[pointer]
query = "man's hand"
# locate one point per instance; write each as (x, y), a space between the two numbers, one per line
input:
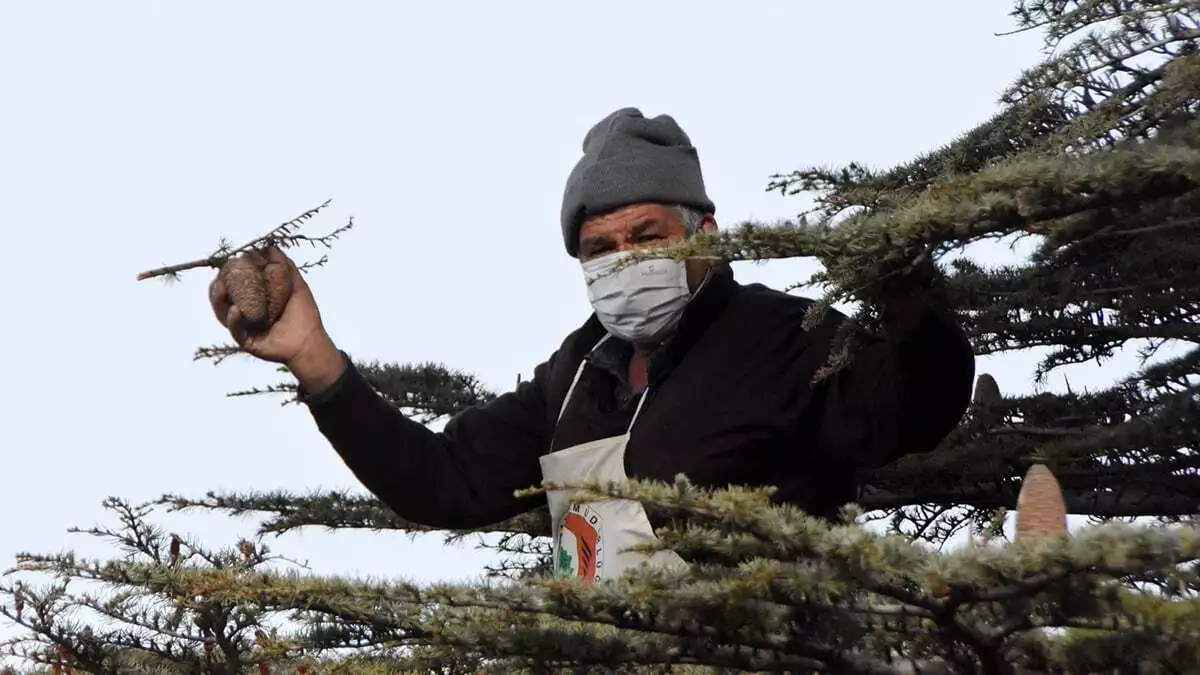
(908, 292)
(297, 338)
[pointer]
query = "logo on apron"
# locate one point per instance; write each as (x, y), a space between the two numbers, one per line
(580, 544)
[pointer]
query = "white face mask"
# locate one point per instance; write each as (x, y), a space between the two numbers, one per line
(643, 301)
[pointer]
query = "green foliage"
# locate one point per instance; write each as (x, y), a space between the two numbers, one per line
(1093, 164)
(784, 591)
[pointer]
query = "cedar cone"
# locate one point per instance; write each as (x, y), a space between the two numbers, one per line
(1041, 510)
(259, 289)
(987, 392)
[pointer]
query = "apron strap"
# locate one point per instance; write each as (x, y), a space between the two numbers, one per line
(637, 411)
(571, 390)
(579, 374)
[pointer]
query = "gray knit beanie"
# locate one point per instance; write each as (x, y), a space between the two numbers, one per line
(627, 159)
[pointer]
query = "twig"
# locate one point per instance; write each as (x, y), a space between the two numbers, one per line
(283, 236)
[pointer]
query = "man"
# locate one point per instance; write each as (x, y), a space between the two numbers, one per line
(680, 370)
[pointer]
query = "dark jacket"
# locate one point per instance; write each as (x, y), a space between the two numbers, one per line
(730, 403)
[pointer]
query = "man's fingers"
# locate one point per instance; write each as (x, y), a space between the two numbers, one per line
(218, 297)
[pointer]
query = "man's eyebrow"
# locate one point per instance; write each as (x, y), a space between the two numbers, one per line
(643, 225)
(595, 239)
(638, 229)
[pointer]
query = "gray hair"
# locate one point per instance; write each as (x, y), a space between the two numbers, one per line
(692, 218)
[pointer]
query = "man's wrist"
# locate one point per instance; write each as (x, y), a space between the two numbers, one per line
(318, 365)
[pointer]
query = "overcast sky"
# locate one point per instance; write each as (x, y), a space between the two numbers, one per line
(139, 133)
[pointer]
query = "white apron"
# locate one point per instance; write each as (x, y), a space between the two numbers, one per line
(590, 538)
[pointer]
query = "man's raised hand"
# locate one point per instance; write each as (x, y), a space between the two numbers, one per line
(261, 297)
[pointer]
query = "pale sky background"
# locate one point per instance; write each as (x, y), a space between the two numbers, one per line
(135, 134)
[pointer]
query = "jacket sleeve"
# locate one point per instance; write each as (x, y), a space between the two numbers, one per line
(460, 478)
(903, 391)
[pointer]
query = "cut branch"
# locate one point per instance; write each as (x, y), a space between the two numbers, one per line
(282, 236)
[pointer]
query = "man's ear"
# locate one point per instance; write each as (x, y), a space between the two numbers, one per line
(709, 224)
